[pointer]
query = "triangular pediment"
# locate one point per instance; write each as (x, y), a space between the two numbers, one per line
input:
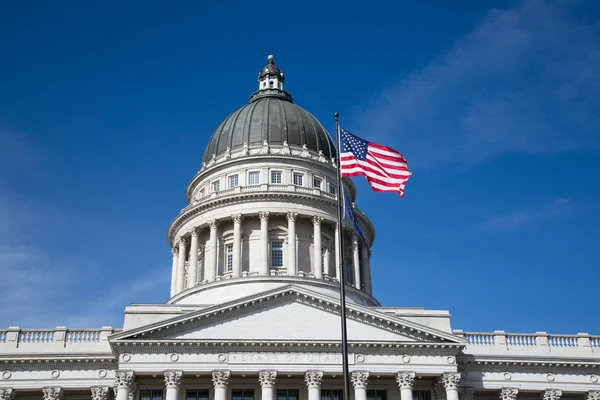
(289, 314)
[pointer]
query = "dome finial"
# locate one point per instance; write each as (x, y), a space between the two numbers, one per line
(271, 58)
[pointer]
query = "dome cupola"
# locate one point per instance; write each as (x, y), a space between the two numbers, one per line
(270, 77)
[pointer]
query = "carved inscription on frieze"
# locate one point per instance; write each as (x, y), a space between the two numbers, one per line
(287, 358)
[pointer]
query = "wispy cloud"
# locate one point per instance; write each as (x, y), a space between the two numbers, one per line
(517, 218)
(526, 80)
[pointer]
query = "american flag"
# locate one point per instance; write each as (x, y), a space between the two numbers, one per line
(386, 169)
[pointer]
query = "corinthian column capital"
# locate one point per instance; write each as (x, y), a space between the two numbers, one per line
(405, 380)
(267, 378)
(313, 379)
(52, 393)
(291, 216)
(317, 220)
(360, 379)
(236, 218)
(593, 395)
(220, 378)
(509, 393)
(173, 379)
(100, 392)
(182, 241)
(551, 394)
(450, 380)
(213, 224)
(195, 232)
(263, 215)
(6, 393)
(124, 379)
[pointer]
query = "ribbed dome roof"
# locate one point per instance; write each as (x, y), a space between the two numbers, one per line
(270, 116)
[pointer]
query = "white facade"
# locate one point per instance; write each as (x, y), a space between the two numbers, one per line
(254, 312)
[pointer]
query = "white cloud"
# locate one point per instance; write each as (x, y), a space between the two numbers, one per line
(517, 218)
(526, 80)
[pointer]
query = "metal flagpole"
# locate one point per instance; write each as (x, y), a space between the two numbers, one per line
(340, 250)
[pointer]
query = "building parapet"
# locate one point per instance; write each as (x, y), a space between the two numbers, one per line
(15, 340)
(532, 344)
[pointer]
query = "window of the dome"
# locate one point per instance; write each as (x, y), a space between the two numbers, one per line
(254, 178)
(233, 181)
(277, 253)
(276, 177)
(332, 188)
(298, 179)
(229, 257)
(202, 192)
(317, 182)
(216, 186)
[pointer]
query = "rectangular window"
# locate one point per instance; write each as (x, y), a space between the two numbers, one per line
(216, 186)
(202, 192)
(317, 182)
(254, 178)
(277, 253)
(233, 181)
(196, 394)
(332, 188)
(332, 394)
(288, 394)
(421, 395)
(275, 176)
(153, 394)
(242, 394)
(298, 179)
(229, 254)
(377, 395)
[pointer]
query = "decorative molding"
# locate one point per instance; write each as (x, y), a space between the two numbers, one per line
(6, 393)
(551, 394)
(52, 393)
(450, 380)
(466, 393)
(173, 379)
(508, 393)
(100, 392)
(405, 380)
(360, 379)
(267, 378)
(313, 379)
(220, 378)
(124, 379)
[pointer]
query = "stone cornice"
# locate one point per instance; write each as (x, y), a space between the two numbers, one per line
(525, 361)
(49, 362)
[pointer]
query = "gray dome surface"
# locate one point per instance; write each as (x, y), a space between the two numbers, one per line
(270, 116)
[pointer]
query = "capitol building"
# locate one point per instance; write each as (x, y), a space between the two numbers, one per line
(254, 307)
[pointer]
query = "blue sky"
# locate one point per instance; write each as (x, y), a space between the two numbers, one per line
(105, 110)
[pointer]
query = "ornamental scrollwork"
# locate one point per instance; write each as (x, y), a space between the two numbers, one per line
(509, 393)
(6, 393)
(267, 378)
(220, 378)
(100, 392)
(313, 379)
(360, 379)
(52, 393)
(450, 380)
(173, 379)
(124, 379)
(552, 394)
(405, 380)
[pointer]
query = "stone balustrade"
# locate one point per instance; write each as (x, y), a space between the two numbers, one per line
(15, 340)
(539, 343)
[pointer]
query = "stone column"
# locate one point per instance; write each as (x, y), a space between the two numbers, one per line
(193, 263)
(313, 381)
(173, 383)
(317, 262)
(175, 252)
(264, 242)
(267, 384)
(236, 270)
(360, 380)
(366, 268)
(356, 260)
(338, 257)
(52, 393)
(405, 382)
(450, 380)
(551, 394)
(291, 248)
(220, 381)
(326, 258)
(508, 393)
(181, 265)
(123, 384)
(100, 392)
(211, 262)
(6, 393)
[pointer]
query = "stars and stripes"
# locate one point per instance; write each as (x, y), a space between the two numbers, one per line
(386, 169)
